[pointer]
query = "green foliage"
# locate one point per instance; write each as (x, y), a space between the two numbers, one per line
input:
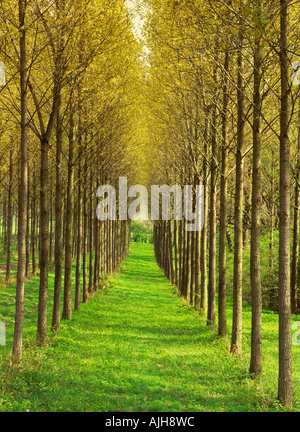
(141, 232)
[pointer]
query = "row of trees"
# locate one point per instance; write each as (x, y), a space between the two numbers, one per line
(223, 105)
(66, 123)
(211, 104)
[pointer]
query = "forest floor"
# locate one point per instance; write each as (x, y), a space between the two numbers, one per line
(136, 346)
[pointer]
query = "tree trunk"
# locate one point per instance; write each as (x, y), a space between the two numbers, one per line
(222, 325)
(180, 253)
(203, 304)
(236, 340)
(9, 217)
(285, 392)
(197, 297)
(84, 259)
(51, 223)
(67, 306)
(175, 230)
(193, 252)
(44, 245)
(271, 214)
(58, 224)
(295, 261)
(33, 228)
(96, 259)
(211, 310)
(188, 266)
(170, 247)
(79, 240)
(27, 231)
(256, 294)
(91, 236)
(22, 210)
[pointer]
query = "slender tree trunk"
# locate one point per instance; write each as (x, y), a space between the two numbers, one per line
(180, 245)
(188, 266)
(110, 246)
(193, 267)
(236, 339)
(85, 230)
(44, 245)
(9, 217)
(27, 231)
(175, 231)
(203, 304)
(91, 234)
(183, 265)
(170, 248)
(256, 294)
(58, 225)
(211, 311)
(79, 241)
(33, 229)
(193, 255)
(22, 210)
(74, 229)
(295, 260)
(4, 217)
(197, 270)
(96, 259)
(67, 306)
(271, 214)
(285, 392)
(51, 224)
(2, 221)
(222, 325)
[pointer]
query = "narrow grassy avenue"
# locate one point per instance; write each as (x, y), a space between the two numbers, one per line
(136, 346)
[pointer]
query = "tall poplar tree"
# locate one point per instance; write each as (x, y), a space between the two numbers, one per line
(285, 392)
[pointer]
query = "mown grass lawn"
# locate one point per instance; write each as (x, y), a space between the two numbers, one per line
(136, 346)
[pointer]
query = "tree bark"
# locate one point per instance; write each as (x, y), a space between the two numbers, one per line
(9, 217)
(211, 310)
(44, 245)
(27, 265)
(236, 339)
(85, 230)
(22, 210)
(175, 231)
(34, 224)
(295, 260)
(170, 247)
(285, 392)
(79, 240)
(91, 235)
(203, 304)
(256, 294)
(222, 324)
(67, 305)
(58, 224)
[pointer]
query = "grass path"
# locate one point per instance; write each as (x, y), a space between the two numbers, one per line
(134, 347)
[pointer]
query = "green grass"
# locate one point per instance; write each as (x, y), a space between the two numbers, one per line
(136, 346)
